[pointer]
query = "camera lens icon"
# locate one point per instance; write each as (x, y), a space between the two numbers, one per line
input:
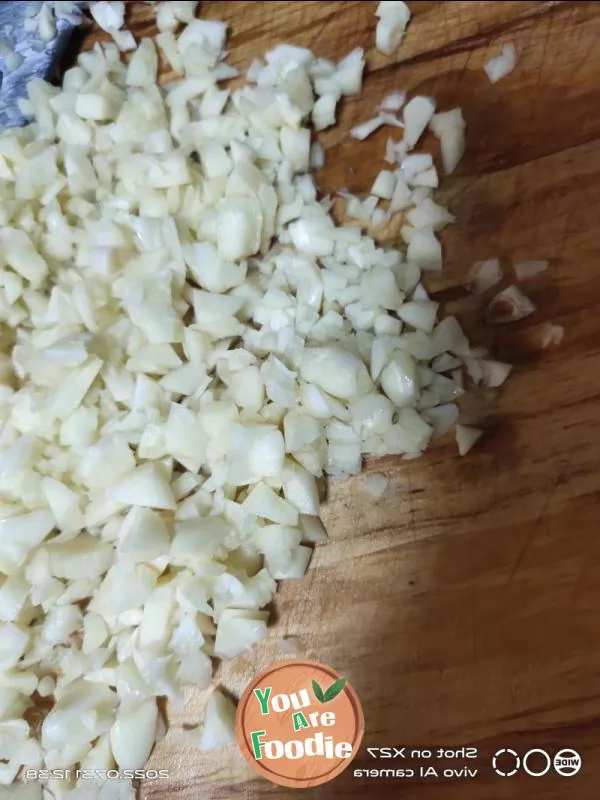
(506, 762)
(567, 762)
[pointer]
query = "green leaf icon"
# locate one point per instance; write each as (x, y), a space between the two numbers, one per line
(331, 693)
(318, 692)
(335, 689)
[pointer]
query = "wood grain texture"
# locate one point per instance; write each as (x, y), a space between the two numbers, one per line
(463, 605)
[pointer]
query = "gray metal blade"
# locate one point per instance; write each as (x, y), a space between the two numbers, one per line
(38, 63)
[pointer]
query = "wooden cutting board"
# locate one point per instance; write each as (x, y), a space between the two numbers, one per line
(463, 605)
